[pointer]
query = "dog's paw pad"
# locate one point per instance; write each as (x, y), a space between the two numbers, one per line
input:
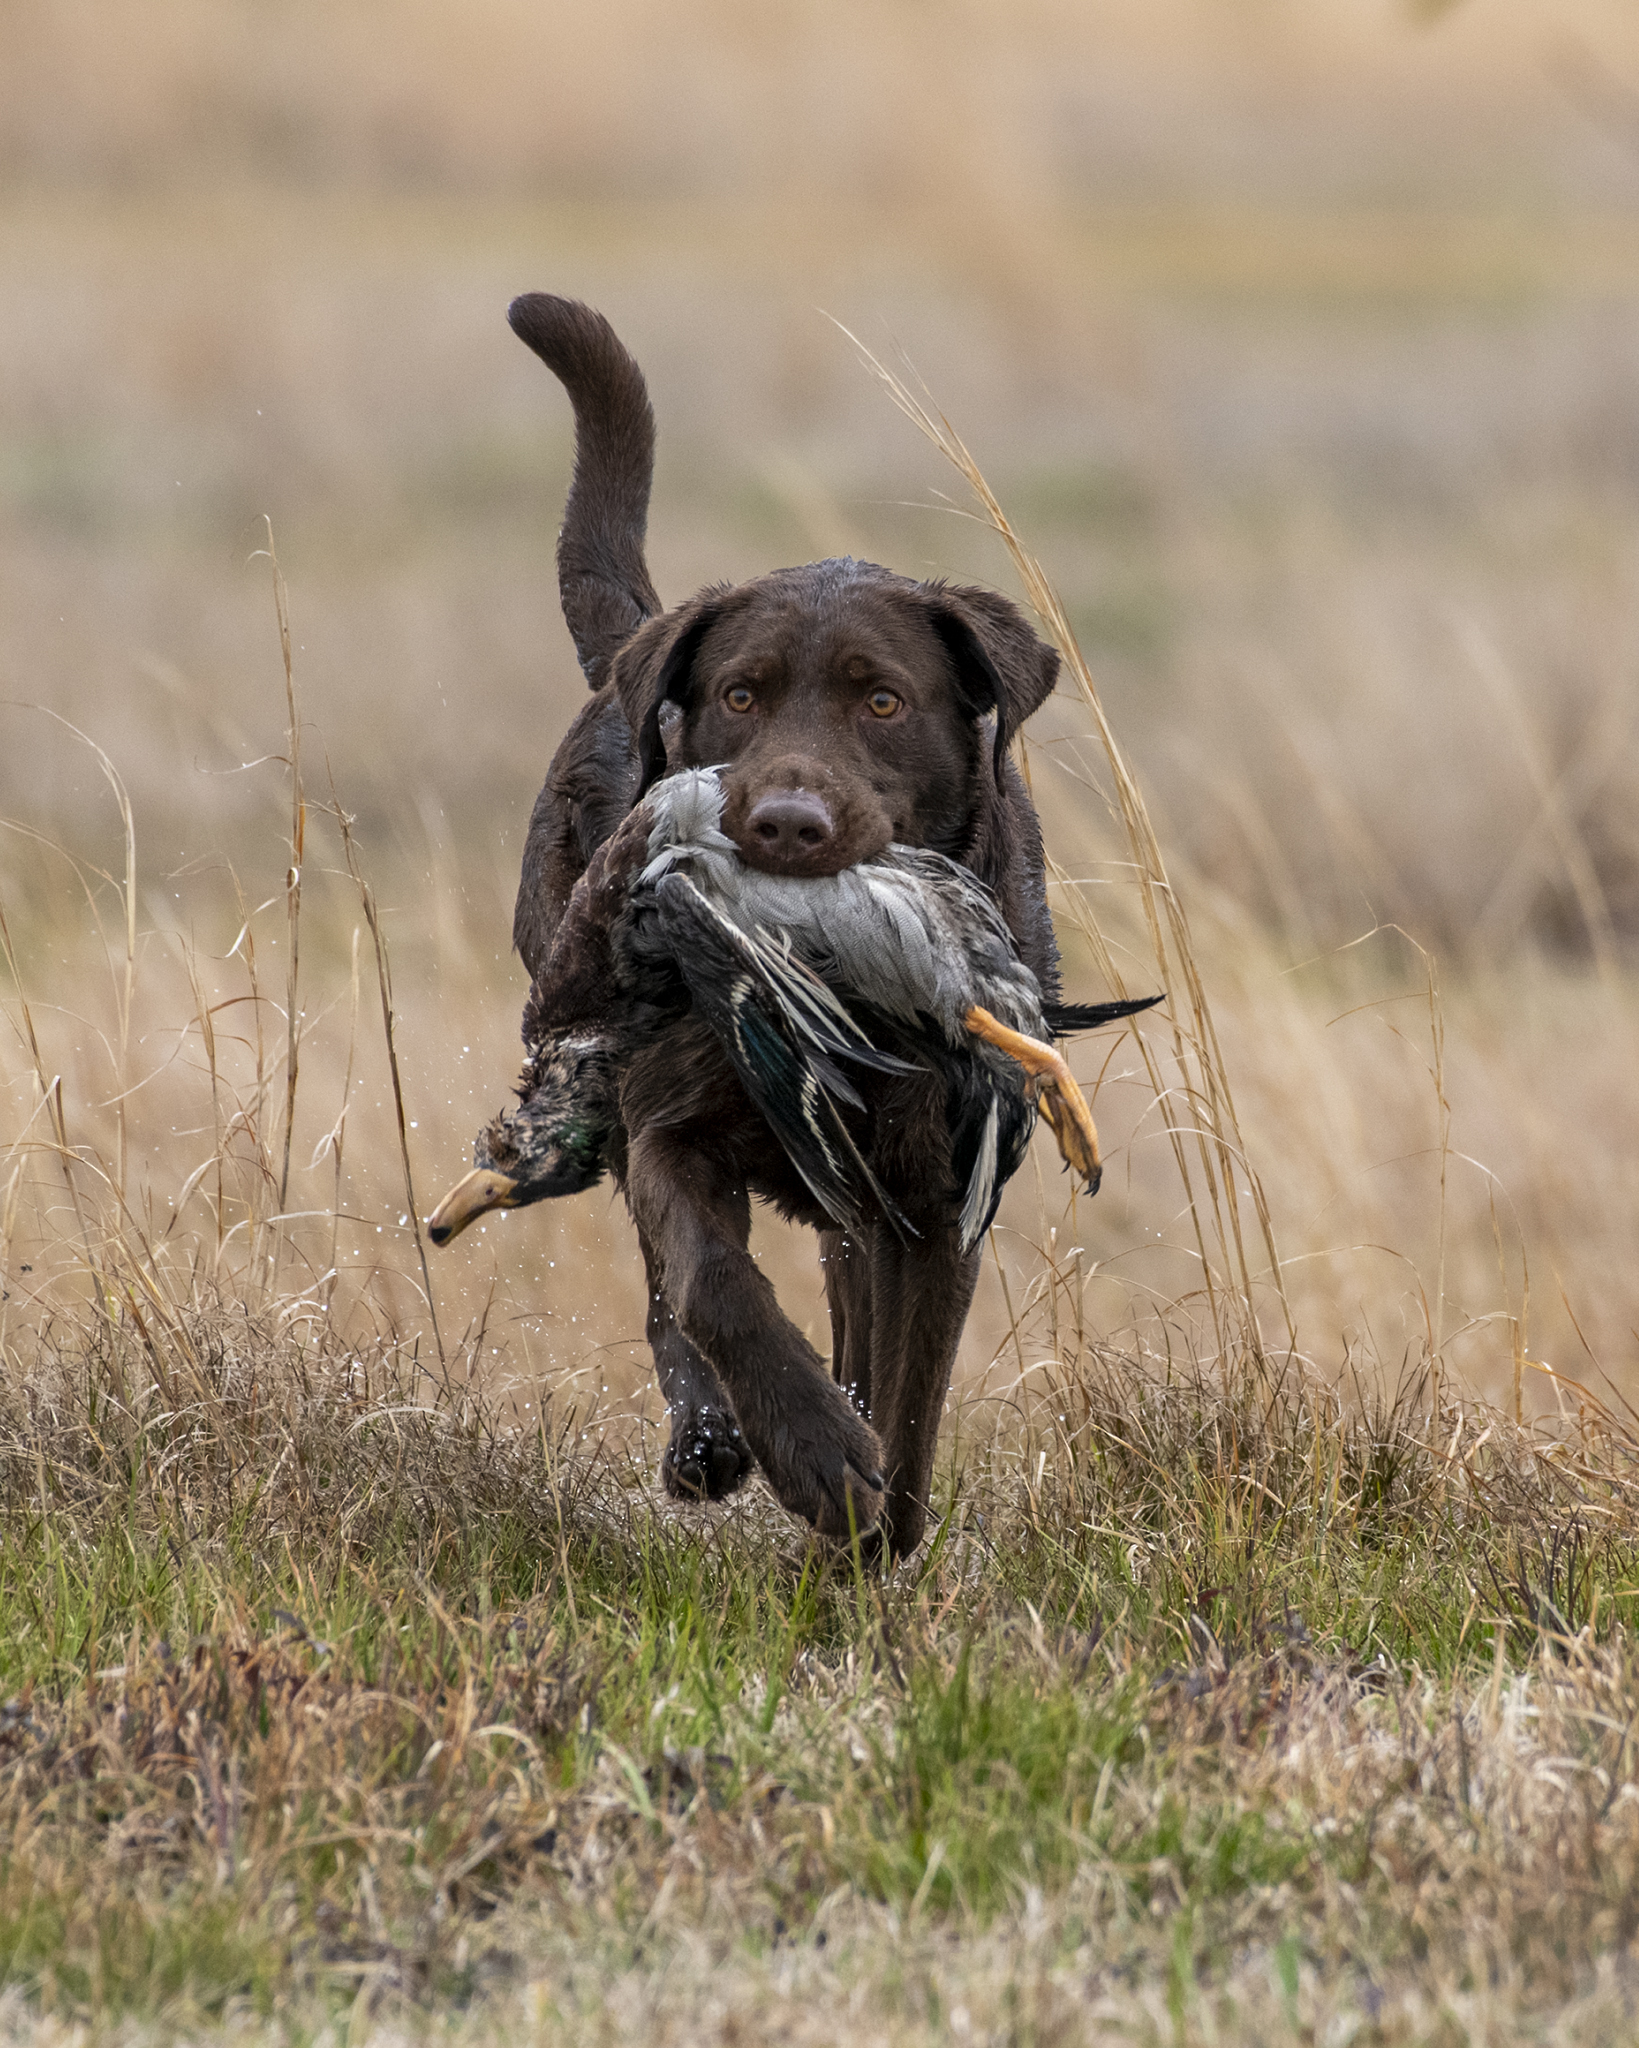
(707, 1458)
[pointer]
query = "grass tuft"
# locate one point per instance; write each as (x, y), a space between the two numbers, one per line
(325, 1680)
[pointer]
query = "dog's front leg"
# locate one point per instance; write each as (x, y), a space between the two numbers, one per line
(707, 1457)
(919, 1296)
(690, 1205)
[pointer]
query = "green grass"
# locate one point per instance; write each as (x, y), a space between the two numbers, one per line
(314, 1696)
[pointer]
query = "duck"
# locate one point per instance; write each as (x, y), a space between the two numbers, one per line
(800, 979)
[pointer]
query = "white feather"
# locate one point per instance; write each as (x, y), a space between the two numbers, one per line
(981, 1182)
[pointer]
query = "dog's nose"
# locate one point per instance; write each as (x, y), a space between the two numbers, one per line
(791, 824)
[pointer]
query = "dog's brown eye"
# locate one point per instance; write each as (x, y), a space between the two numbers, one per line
(739, 698)
(883, 703)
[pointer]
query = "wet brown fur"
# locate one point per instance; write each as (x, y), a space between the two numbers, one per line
(785, 683)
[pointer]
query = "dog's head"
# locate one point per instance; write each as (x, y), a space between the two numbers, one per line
(844, 703)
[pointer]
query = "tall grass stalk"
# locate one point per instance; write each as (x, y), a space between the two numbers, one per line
(384, 986)
(1196, 1100)
(293, 873)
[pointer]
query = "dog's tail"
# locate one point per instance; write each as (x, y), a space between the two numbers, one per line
(603, 580)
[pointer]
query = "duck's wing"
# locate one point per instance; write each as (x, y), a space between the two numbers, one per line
(785, 1033)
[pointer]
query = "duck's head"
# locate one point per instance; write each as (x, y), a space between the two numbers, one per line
(552, 1144)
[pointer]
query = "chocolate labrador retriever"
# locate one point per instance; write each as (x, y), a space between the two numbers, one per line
(847, 707)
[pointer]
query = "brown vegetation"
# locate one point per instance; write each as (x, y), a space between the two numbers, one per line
(1299, 350)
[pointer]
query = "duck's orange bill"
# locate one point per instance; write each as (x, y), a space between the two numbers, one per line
(1058, 1094)
(483, 1189)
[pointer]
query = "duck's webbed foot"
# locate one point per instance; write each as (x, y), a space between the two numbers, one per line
(1058, 1094)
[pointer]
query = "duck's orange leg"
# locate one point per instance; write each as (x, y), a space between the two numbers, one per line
(1058, 1095)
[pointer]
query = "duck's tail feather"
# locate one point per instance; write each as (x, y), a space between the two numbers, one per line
(1063, 1018)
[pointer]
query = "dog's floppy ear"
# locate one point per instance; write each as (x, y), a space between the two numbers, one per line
(652, 668)
(1001, 664)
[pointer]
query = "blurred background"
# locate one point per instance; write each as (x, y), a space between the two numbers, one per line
(1300, 338)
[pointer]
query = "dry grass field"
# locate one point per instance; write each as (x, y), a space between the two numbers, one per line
(1271, 1674)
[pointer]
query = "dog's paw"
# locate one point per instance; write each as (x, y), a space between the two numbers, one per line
(860, 1511)
(843, 1489)
(707, 1458)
